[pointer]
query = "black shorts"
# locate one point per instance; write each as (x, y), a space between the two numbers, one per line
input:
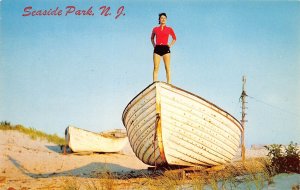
(162, 49)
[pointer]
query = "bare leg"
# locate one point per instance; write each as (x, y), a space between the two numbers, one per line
(156, 60)
(167, 58)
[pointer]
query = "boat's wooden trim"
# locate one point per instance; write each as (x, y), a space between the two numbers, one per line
(158, 127)
(168, 125)
(172, 86)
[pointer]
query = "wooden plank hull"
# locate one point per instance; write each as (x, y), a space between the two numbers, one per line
(80, 140)
(168, 125)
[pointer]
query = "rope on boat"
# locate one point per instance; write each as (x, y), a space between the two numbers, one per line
(155, 134)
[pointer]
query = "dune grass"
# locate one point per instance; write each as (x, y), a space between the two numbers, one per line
(252, 174)
(33, 133)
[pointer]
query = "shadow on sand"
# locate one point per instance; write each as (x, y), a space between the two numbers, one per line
(92, 170)
(58, 149)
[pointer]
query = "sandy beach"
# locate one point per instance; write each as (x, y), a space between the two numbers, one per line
(36, 164)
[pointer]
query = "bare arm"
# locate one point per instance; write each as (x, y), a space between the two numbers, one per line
(172, 43)
(152, 39)
(172, 33)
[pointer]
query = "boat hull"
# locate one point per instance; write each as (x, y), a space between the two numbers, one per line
(80, 140)
(168, 125)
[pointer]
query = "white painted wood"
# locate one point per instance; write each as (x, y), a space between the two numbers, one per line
(139, 119)
(80, 140)
(193, 130)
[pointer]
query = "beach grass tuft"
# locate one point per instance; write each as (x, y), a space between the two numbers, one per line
(32, 133)
(251, 174)
(71, 184)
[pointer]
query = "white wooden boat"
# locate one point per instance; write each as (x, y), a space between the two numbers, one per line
(168, 125)
(80, 140)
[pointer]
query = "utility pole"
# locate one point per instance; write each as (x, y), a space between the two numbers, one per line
(243, 121)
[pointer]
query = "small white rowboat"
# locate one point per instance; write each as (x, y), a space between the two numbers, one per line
(80, 140)
(168, 125)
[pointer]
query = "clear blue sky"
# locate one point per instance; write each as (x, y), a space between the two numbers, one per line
(83, 70)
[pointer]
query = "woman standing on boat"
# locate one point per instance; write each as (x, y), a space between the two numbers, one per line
(161, 46)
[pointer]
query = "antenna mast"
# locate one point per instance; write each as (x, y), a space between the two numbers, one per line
(243, 121)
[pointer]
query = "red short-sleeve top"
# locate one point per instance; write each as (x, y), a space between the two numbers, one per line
(162, 34)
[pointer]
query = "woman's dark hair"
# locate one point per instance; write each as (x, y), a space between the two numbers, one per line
(161, 14)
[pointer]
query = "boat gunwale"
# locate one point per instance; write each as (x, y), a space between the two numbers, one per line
(126, 108)
(157, 82)
(101, 134)
(210, 103)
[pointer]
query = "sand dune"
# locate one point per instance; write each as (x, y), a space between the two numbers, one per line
(36, 164)
(33, 163)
